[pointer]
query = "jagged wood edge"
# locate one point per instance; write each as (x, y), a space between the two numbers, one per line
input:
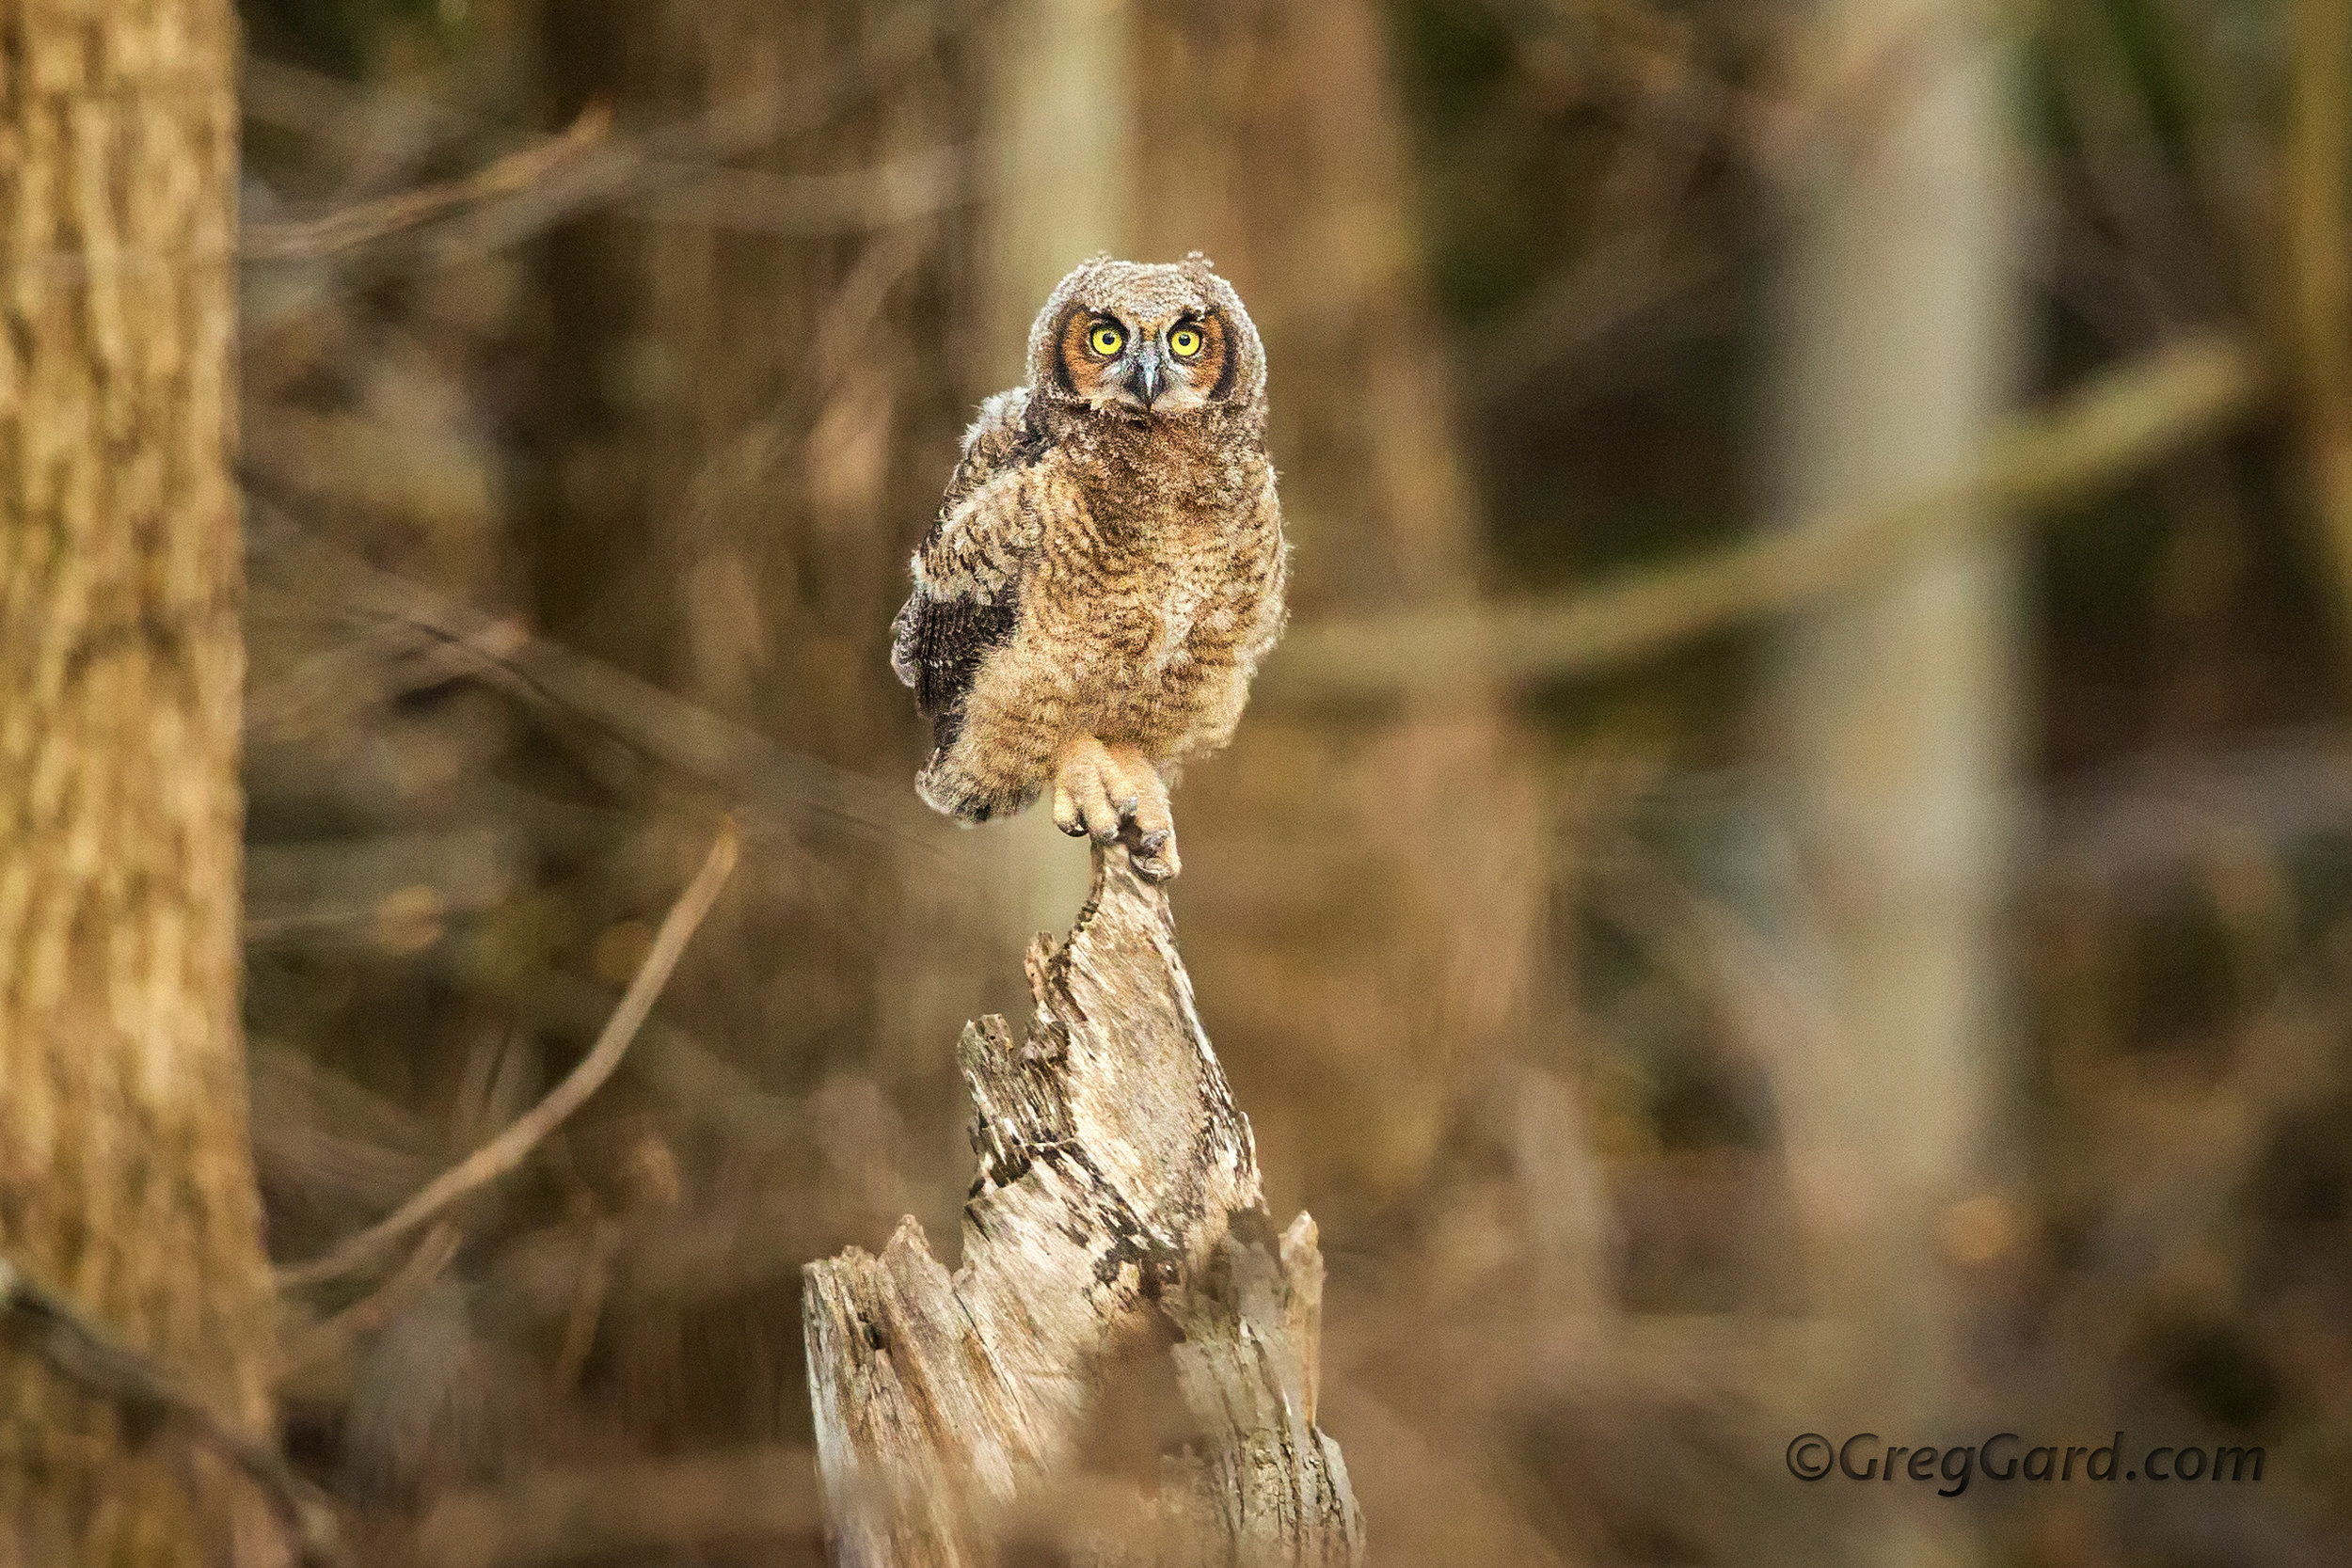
(1118, 1196)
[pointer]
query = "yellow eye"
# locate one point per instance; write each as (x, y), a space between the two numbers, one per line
(1184, 341)
(1106, 340)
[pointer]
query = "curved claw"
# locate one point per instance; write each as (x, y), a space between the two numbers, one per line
(1082, 798)
(1113, 793)
(1154, 855)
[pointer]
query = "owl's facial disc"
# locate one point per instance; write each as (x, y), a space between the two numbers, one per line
(1158, 368)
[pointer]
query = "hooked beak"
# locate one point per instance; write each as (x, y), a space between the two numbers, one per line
(1145, 379)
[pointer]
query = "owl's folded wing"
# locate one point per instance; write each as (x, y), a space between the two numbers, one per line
(1003, 436)
(967, 573)
(1273, 611)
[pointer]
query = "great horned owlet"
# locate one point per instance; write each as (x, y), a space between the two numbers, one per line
(1107, 568)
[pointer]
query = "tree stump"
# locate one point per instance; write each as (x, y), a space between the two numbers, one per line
(1123, 1370)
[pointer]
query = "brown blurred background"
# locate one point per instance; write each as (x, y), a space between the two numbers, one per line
(1795, 872)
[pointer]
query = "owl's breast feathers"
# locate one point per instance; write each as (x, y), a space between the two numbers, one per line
(1121, 550)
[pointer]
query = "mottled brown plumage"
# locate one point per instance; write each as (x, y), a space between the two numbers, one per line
(1107, 568)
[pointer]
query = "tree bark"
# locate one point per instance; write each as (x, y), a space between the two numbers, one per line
(1123, 1368)
(125, 1174)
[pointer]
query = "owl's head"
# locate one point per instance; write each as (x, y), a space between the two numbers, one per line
(1147, 340)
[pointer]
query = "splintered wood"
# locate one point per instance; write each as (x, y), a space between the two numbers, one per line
(1123, 1370)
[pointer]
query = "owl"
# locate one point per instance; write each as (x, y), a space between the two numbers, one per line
(1107, 568)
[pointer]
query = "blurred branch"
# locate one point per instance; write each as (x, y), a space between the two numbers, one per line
(297, 892)
(691, 1077)
(509, 1149)
(2119, 422)
(1712, 951)
(312, 239)
(620, 168)
(901, 190)
(2319, 253)
(2162, 256)
(2217, 120)
(749, 767)
(312, 103)
(904, 189)
(1588, 306)
(372, 1311)
(85, 1353)
(2144, 822)
(729, 129)
(325, 1147)
(563, 1516)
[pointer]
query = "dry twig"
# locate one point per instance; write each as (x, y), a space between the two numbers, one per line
(373, 1311)
(753, 771)
(509, 1149)
(2120, 422)
(347, 227)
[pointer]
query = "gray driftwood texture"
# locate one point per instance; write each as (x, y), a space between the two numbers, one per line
(1123, 1370)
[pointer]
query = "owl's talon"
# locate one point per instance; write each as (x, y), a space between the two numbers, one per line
(1147, 827)
(1069, 804)
(1154, 858)
(1081, 799)
(1114, 796)
(1154, 855)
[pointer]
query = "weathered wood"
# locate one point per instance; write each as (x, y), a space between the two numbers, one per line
(1116, 1242)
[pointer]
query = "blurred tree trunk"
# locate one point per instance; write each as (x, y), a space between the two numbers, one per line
(125, 1174)
(1362, 893)
(750, 410)
(1270, 136)
(735, 372)
(1896, 706)
(670, 341)
(1058, 121)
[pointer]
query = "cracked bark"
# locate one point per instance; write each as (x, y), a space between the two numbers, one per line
(126, 1182)
(1123, 1369)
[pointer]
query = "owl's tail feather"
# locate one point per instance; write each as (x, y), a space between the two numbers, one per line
(947, 787)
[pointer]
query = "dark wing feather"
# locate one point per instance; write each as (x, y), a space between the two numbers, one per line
(937, 644)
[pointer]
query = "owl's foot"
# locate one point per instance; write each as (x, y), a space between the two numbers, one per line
(1112, 795)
